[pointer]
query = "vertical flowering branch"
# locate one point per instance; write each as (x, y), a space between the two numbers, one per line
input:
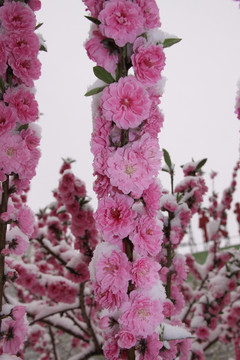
(127, 159)
(19, 139)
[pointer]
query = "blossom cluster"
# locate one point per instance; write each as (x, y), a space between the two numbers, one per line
(212, 307)
(177, 208)
(125, 268)
(54, 280)
(19, 153)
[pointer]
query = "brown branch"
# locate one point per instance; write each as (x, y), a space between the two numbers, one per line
(62, 328)
(86, 318)
(77, 323)
(3, 230)
(53, 343)
(51, 314)
(56, 256)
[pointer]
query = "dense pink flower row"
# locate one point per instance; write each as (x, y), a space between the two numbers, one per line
(127, 160)
(62, 246)
(19, 141)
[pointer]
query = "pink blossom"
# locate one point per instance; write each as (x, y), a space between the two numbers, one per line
(12, 153)
(145, 272)
(140, 314)
(18, 245)
(150, 347)
(111, 350)
(25, 220)
(7, 118)
(102, 186)
(150, 12)
(17, 16)
(168, 308)
(232, 284)
(15, 333)
(154, 122)
(114, 217)
(100, 138)
(181, 271)
(151, 197)
(121, 21)
(35, 5)
(146, 237)
(22, 43)
(168, 202)
(94, 6)
(31, 139)
(126, 339)
(133, 168)
(148, 63)
(24, 103)
(178, 299)
(98, 53)
(3, 57)
(78, 273)
(113, 271)
(60, 290)
(25, 67)
(202, 332)
(104, 322)
(109, 299)
(125, 102)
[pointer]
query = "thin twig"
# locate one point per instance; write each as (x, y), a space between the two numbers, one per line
(53, 343)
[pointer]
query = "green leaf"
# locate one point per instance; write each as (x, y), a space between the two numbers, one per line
(167, 159)
(200, 164)
(118, 72)
(171, 41)
(2, 85)
(95, 91)
(42, 48)
(103, 74)
(94, 20)
(23, 127)
(165, 170)
(38, 26)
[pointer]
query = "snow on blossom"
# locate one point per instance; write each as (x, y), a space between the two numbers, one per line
(148, 63)
(141, 314)
(114, 217)
(125, 102)
(122, 21)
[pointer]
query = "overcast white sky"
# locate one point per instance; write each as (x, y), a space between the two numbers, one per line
(198, 103)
